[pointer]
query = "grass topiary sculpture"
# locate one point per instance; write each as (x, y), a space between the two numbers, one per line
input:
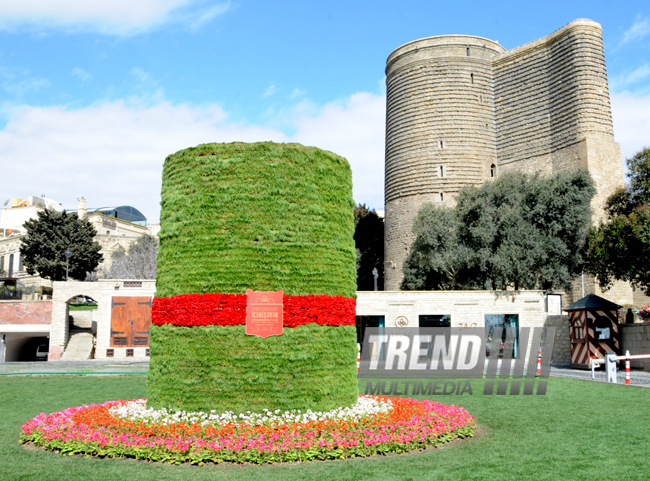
(265, 217)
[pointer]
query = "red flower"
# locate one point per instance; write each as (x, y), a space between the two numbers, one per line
(230, 310)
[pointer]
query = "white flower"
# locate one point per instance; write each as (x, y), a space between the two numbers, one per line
(138, 411)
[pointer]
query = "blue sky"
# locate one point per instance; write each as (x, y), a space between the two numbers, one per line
(94, 95)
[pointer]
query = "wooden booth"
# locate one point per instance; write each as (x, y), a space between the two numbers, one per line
(593, 329)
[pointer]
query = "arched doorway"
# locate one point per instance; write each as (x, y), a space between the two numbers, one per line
(81, 328)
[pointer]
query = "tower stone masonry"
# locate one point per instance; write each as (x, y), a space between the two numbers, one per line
(461, 109)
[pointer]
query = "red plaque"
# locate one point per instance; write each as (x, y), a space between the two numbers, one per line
(263, 313)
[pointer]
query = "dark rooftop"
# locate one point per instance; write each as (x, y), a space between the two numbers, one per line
(592, 301)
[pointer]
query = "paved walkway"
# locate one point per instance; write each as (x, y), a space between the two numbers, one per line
(75, 367)
(637, 378)
(103, 367)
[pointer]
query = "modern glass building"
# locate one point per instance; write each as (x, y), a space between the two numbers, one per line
(124, 212)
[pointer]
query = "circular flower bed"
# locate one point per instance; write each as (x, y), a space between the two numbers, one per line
(375, 425)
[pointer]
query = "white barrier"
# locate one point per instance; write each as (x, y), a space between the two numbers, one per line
(358, 356)
(628, 357)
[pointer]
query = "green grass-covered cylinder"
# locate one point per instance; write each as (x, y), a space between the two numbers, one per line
(264, 217)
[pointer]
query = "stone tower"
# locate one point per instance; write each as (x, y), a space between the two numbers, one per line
(440, 131)
(461, 109)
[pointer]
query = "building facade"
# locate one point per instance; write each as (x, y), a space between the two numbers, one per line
(116, 227)
(464, 309)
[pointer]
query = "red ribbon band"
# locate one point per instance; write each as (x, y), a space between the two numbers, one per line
(230, 310)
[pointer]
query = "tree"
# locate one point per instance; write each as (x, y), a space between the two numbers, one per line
(436, 258)
(49, 235)
(619, 248)
(138, 262)
(519, 231)
(369, 243)
(639, 175)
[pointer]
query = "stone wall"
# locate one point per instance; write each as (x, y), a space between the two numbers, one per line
(636, 339)
(466, 308)
(562, 344)
(640, 299)
(110, 243)
(398, 235)
(551, 94)
(620, 292)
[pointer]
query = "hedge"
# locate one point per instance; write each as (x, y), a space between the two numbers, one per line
(201, 368)
(265, 217)
(256, 216)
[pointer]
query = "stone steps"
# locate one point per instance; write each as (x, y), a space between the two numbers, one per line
(79, 347)
(82, 319)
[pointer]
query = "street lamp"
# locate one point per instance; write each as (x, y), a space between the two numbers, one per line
(375, 274)
(68, 254)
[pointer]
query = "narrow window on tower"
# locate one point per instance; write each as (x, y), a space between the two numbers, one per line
(440, 143)
(472, 77)
(493, 170)
(442, 198)
(468, 51)
(442, 171)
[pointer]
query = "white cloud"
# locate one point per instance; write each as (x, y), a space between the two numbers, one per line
(109, 17)
(81, 74)
(355, 130)
(631, 115)
(296, 93)
(639, 30)
(270, 90)
(112, 153)
(200, 17)
(142, 76)
(27, 85)
(630, 78)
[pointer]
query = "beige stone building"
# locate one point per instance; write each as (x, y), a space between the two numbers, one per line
(116, 227)
(463, 309)
(118, 328)
(461, 109)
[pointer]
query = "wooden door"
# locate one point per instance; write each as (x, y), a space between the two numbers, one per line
(141, 309)
(130, 321)
(120, 326)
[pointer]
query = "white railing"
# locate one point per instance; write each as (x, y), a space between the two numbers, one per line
(627, 357)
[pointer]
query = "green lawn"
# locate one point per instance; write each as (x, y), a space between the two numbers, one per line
(83, 307)
(579, 430)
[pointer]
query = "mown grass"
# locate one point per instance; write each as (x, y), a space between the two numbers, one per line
(83, 307)
(579, 430)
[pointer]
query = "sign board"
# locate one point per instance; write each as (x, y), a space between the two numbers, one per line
(263, 313)
(554, 304)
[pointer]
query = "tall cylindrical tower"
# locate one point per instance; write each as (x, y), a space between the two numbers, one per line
(440, 131)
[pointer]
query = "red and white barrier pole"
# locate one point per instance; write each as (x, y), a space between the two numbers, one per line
(539, 362)
(627, 367)
(358, 356)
